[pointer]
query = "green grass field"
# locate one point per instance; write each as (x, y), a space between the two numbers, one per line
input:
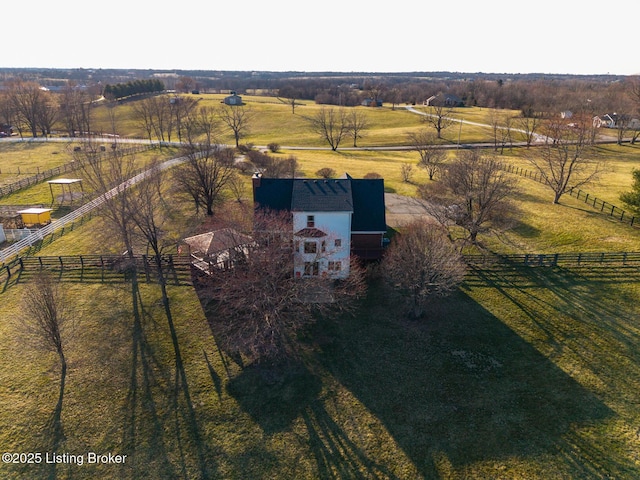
(524, 373)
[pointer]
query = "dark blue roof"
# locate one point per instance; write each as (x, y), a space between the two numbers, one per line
(368, 205)
(321, 196)
(363, 197)
(273, 193)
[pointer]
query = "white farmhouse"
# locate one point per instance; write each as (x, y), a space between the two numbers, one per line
(333, 219)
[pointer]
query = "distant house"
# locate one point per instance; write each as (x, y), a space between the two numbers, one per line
(233, 99)
(332, 220)
(370, 102)
(444, 100)
(6, 130)
(608, 120)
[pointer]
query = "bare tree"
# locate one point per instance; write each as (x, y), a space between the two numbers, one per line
(143, 114)
(292, 101)
(179, 109)
(422, 263)
(394, 95)
(633, 92)
(157, 116)
(473, 194)
(33, 107)
(432, 156)
(185, 84)
(45, 318)
(76, 109)
(108, 177)
(257, 305)
(332, 125)
(206, 172)
(238, 119)
(528, 127)
(567, 159)
(406, 171)
(357, 122)
(238, 186)
(439, 117)
(501, 129)
(7, 110)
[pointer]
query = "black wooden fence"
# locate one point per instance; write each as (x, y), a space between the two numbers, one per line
(100, 268)
(557, 259)
(178, 268)
(53, 172)
(591, 200)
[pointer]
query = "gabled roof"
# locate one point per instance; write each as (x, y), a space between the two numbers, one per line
(321, 196)
(310, 233)
(210, 243)
(364, 198)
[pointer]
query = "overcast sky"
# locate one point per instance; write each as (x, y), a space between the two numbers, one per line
(491, 36)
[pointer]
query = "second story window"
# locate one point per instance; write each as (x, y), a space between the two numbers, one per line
(311, 221)
(310, 247)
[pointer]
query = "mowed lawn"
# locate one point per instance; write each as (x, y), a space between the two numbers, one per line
(528, 373)
(523, 373)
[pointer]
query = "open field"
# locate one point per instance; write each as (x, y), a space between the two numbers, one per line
(23, 159)
(524, 373)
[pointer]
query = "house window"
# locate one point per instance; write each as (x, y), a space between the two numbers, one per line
(297, 245)
(310, 247)
(335, 266)
(323, 246)
(311, 268)
(338, 242)
(311, 221)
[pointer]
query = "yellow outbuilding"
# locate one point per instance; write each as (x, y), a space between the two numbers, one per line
(36, 216)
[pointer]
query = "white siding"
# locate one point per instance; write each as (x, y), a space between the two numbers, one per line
(336, 226)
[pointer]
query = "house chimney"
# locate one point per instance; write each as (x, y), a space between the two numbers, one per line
(256, 179)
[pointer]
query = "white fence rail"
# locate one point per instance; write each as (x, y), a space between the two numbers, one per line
(13, 235)
(14, 249)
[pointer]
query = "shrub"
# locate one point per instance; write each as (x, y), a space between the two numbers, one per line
(326, 172)
(273, 147)
(372, 176)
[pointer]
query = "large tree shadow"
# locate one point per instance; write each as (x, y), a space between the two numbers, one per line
(275, 395)
(459, 385)
(161, 433)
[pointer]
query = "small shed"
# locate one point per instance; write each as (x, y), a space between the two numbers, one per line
(36, 216)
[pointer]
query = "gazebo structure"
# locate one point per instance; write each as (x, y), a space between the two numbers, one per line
(218, 249)
(65, 182)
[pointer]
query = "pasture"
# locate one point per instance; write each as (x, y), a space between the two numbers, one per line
(523, 373)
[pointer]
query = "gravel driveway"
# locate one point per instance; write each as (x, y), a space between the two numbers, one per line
(401, 210)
